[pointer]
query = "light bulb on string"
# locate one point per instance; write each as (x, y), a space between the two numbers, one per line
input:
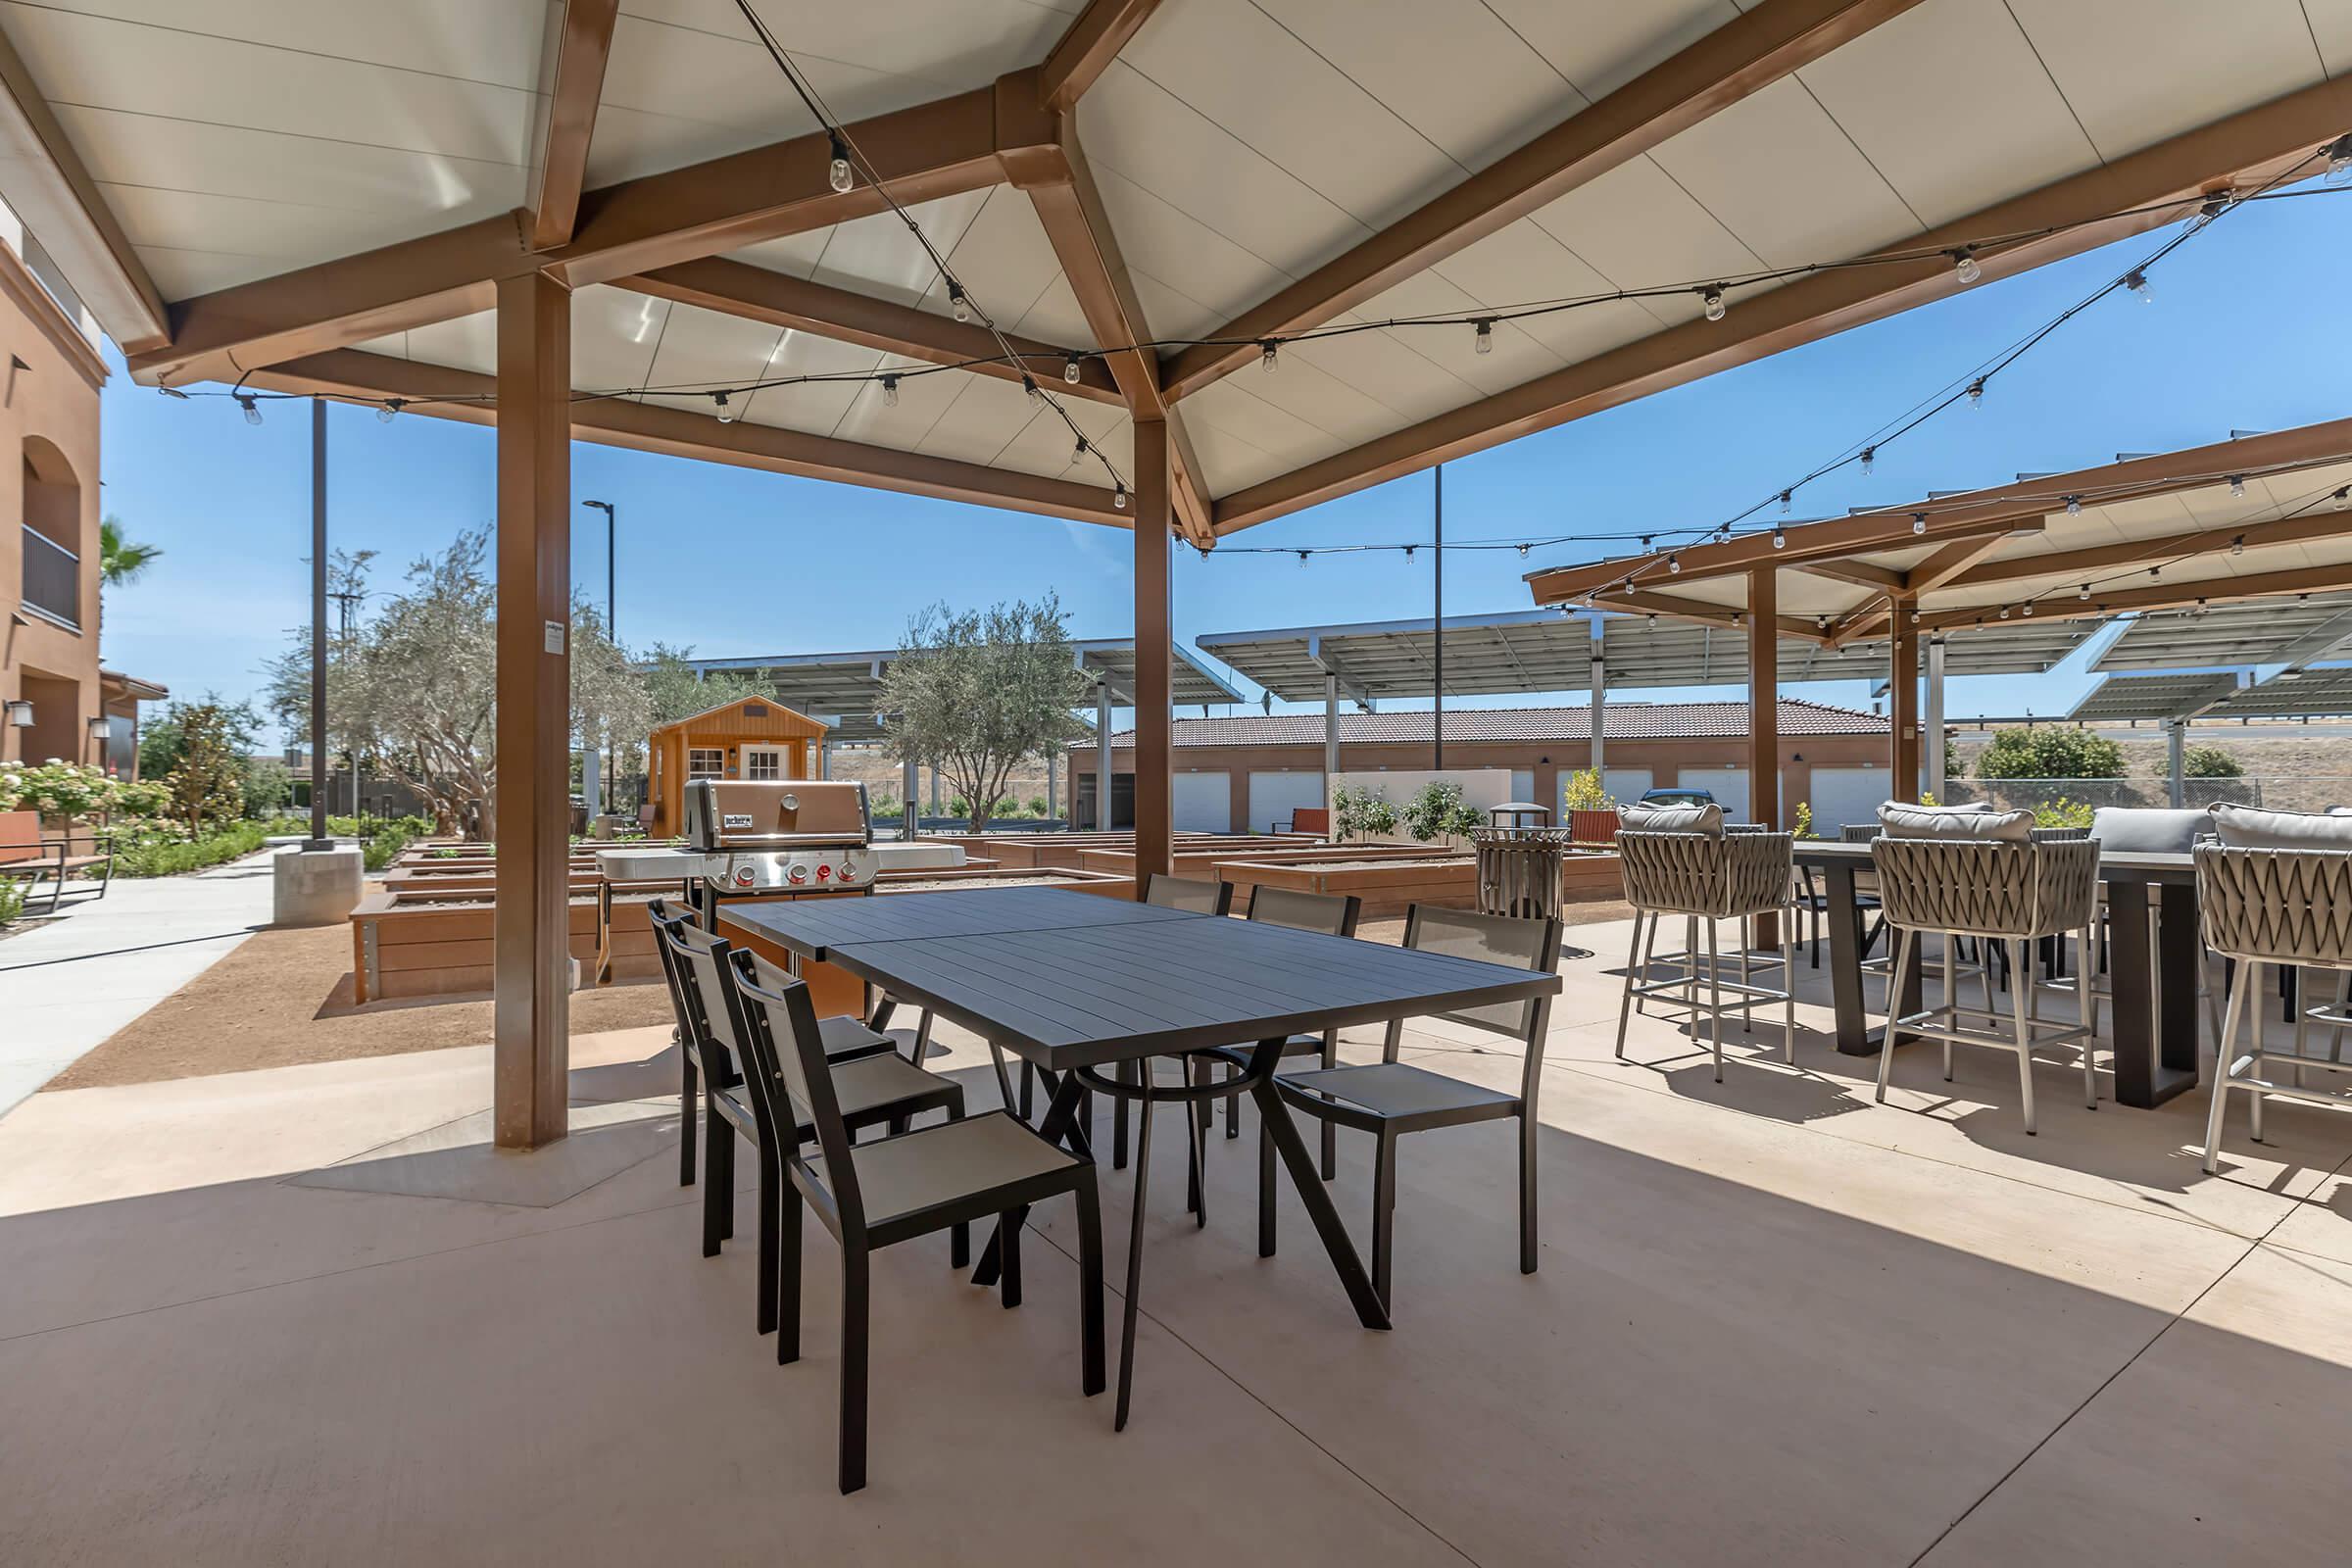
(1711, 297)
(959, 306)
(1029, 386)
(1780, 538)
(387, 408)
(1523, 552)
(1079, 456)
(726, 413)
(2029, 610)
(2085, 593)
(1674, 565)
(1976, 393)
(2004, 611)
(2073, 506)
(1484, 340)
(2238, 487)
(1070, 369)
(2237, 546)
(2339, 156)
(1267, 353)
(1870, 460)
(890, 391)
(1118, 496)
(838, 173)
(1919, 523)
(252, 407)
(2138, 282)
(2343, 498)
(1963, 264)
(1784, 496)
(1303, 557)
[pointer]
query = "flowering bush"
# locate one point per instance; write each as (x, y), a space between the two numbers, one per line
(58, 787)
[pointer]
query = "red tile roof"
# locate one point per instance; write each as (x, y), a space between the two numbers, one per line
(1627, 721)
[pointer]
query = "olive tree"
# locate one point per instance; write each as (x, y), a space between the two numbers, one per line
(973, 692)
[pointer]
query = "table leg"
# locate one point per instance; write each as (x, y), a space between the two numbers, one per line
(1061, 1126)
(2155, 1056)
(1855, 1037)
(1317, 1197)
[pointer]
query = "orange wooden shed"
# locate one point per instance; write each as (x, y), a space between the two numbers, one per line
(750, 739)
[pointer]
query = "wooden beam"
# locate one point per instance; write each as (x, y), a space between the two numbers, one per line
(778, 299)
(1861, 572)
(1746, 54)
(682, 433)
(531, 947)
(2326, 524)
(1087, 49)
(936, 149)
(579, 42)
(1949, 561)
(1155, 662)
(2002, 508)
(1902, 706)
(2160, 596)
(2141, 191)
(47, 185)
(1639, 601)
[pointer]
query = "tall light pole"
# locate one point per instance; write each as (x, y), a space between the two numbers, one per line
(611, 634)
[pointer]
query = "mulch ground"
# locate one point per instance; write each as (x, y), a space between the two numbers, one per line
(284, 998)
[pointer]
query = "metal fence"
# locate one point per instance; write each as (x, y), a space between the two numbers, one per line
(2286, 792)
(52, 578)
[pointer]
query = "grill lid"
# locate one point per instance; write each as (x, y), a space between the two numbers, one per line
(778, 815)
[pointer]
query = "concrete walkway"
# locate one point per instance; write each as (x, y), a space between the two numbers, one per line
(67, 985)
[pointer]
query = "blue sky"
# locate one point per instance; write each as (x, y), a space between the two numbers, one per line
(2246, 331)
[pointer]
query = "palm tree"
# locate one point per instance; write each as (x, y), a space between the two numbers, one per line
(119, 562)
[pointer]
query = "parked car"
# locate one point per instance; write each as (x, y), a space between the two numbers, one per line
(1678, 796)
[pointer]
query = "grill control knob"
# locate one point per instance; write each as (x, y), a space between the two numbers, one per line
(743, 876)
(824, 873)
(799, 873)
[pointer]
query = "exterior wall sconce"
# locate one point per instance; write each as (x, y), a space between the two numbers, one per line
(102, 728)
(19, 714)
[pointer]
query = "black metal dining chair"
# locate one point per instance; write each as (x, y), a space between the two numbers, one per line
(1334, 915)
(875, 1195)
(874, 1088)
(1199, 897)
(1389, 1099)
(846, 1038)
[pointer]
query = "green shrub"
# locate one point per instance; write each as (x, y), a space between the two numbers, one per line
(1805, 820)
(2210, 761)
(1438, 808)
(1357, 810)
(2035, 753)
(1584, 792)
(2062, 813)
(11, 898)
(164, 857)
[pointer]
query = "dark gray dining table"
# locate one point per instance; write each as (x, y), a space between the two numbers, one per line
(2155, 1028)
(1065, 986)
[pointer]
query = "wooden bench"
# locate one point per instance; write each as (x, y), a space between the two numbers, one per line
(25, 855)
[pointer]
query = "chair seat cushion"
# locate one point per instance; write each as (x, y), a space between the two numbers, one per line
(846, 1036)
(2247, 827)
(1393, 1090)
(1903, 820)
(872, 1083)
(934, 1166)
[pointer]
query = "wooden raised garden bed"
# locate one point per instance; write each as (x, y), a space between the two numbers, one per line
(437, 943)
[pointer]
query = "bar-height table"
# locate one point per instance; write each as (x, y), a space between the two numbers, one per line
(1110, 991)
(2155, 1041)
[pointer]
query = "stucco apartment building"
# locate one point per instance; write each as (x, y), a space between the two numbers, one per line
(1236, 774)
(52, 689)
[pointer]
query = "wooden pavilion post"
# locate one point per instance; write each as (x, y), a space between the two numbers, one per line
(532, 954)
(1155, 674)
(1764, 717)
(1902, 701)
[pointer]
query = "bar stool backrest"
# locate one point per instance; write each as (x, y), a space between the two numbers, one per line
(1334, 915)
(677, 938)
(1986, 887)
(1698, 873)
(1858, 832)
(782, 1042)
(2276, 906)
(1189, 893)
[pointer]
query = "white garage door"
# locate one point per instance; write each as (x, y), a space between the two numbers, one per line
(1274, 796)
(1523, 785)
(1729, 784)
(1845, 795)
(1625, 785)
(1204, 803)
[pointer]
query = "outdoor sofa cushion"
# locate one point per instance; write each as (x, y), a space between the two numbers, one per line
(2148, 830)
(1707, 819)
(2248, 827)
(1901, 820)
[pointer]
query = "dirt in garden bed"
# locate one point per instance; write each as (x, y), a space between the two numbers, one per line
(284, 996)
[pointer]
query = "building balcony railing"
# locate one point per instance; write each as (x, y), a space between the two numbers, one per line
(52, 579)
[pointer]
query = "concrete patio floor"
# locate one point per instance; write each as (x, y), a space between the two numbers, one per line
(1774, 1323)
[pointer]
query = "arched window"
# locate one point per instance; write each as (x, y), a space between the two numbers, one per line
(53, 543)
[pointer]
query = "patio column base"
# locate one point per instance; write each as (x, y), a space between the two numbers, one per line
(315, 886)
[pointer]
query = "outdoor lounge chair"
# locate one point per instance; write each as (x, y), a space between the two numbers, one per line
(2276, 888)
(1982, 876)
(874, 1194)
(1389, 1099)
(1688, 864)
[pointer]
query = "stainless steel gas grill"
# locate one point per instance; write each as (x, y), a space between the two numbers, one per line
(793, 836)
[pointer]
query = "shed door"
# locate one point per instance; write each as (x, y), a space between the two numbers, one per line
(766, 763)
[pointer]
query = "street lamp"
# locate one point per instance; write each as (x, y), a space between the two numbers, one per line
(611, 630)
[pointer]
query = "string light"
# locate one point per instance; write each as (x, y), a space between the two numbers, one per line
(1976, 393)
(2029, 610)
(1484, 341)
(890, 391)
(2237, 546)
(1711, 297)
(2138, 282)
(1070, 369)
(2340, 157)
(2073, 506)
(1780, 538)
(1674, 565)
(1785, 497)
(1408, 551)
(2343, 496)
(1118, 495)
(1267, 351)
(959, 306)
(2238, 487)
(173, 392)
(1029, 386)
(251, 406)
(1919, 523)
(1963, 264)
(2085, 593)
(2004, 611)
(838, 173)
(1870, 460)
(726, 413)
(391, 406)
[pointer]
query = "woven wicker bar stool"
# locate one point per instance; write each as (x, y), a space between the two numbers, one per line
(1707, 876)
(2270, 906)
(1996, 887)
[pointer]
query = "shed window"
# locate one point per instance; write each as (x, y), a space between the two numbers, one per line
(705, 761)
